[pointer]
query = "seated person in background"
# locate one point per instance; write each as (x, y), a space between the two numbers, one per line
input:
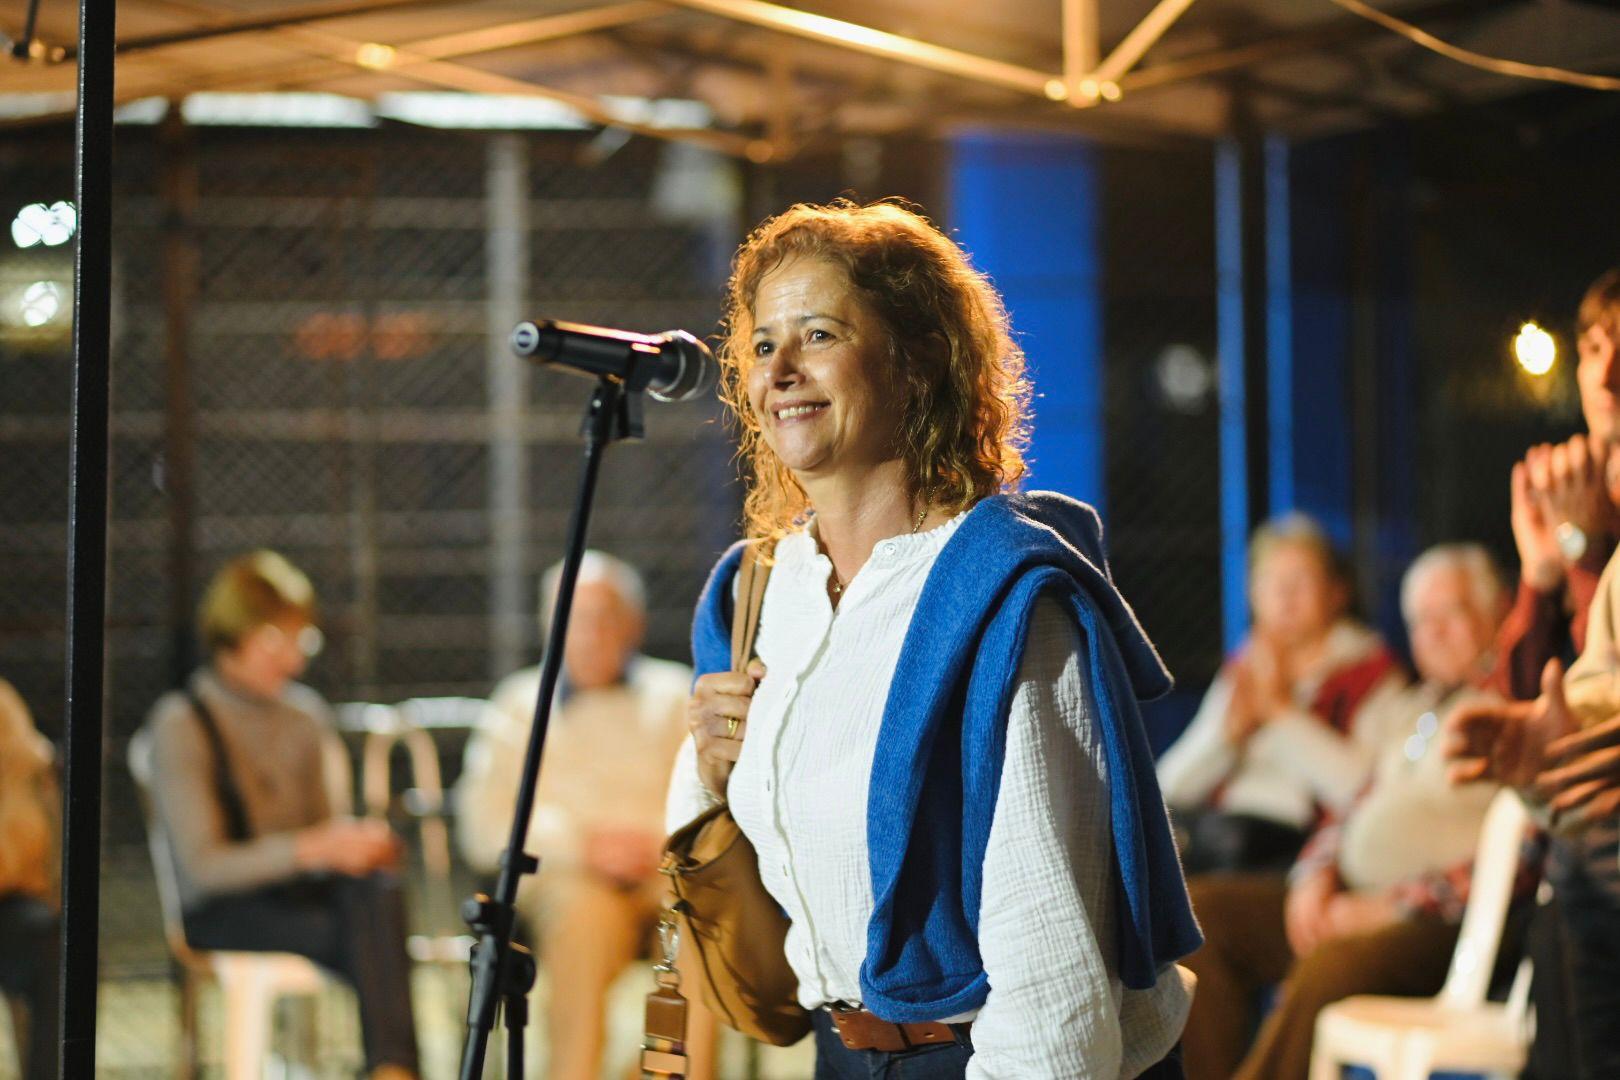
(598, 823)
(1278, 739)
(30, 936)
(1374, 903)
(265, 862)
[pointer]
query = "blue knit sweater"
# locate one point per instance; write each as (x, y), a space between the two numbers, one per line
(943, 739)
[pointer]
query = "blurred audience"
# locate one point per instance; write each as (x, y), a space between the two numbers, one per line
(598, 822)
(1564, 755)
(1278, 739)
(30, 935)
(265, 861)
(1374, 902)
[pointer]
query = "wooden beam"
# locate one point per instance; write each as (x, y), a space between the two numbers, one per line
(873, 42)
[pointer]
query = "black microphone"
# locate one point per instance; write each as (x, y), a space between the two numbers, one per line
(672, 366)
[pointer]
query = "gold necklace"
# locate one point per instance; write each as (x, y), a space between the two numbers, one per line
(838, 585)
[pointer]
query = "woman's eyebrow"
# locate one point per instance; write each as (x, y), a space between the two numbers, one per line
(766, 329)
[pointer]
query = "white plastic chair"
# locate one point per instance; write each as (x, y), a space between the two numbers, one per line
(250, 982)
(387, 727)
(1403, 1038)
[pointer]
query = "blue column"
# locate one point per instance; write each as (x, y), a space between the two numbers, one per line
(1282, 477)
(1025, 207)
(1231, 348)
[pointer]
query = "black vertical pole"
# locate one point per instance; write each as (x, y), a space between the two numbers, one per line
(179, 275)
(87, 538)
(1250, 139)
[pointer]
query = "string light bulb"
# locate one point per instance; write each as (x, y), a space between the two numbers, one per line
(1535, 349)
(375, 56)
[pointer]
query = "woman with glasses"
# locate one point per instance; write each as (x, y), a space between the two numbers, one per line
(264, 860)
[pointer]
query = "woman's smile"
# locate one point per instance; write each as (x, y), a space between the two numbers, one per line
(798, 412)
(819, 384)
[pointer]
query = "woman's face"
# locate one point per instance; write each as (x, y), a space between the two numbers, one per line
(819, 383)
(271, 655)
(1294, 598)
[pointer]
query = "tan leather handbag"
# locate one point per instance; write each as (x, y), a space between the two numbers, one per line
(735, 928)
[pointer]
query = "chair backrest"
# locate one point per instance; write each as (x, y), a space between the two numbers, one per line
(454, 713)
(388, 727)
(1496, 865)
(338, 773)
(139, 757)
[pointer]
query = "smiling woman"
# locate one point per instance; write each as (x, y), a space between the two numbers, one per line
(937, 753)
(873, 306)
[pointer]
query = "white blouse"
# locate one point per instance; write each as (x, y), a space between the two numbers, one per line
(1056, 1007)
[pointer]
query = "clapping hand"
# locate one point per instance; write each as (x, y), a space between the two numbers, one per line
(1259, 690)
(1508, 742)
(1582, 777)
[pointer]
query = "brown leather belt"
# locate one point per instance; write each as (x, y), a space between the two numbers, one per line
(860, 1030)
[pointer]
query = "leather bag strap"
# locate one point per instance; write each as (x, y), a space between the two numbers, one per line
(752, 576)
(663, 1047)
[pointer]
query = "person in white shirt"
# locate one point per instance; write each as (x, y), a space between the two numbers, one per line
(1278, 740)
(597, 825)
(883, 404)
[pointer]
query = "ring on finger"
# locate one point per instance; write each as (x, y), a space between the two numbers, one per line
(731, 727)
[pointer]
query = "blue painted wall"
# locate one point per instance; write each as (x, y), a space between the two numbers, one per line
(1340, 300)
(1025, 207)
(1310, 333)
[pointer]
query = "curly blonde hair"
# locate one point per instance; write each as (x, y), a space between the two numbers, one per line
(960, 374)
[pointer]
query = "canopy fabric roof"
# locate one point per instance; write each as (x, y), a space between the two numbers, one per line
(777, 79)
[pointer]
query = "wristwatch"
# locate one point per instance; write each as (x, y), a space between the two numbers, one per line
(1571, 541)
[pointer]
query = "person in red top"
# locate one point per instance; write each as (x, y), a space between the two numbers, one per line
(1564, 523)
(1277, 741)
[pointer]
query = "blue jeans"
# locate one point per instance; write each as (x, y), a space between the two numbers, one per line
(835, 1061)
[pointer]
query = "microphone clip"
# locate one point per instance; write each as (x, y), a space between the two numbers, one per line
(624, 413)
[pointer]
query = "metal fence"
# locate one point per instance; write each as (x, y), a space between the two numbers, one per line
(309, 355)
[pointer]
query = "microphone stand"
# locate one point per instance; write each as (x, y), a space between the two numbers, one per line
(502, 972)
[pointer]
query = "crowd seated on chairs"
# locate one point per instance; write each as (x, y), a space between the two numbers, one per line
(1374, 900)
(29, 929)
(599, 812)
(1279, 738)
(236, 766)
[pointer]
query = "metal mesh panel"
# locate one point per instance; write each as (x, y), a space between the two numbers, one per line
(1161, 424)
(339, 376)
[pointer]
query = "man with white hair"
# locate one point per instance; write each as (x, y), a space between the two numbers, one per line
(1374, 902)
(598, 823)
